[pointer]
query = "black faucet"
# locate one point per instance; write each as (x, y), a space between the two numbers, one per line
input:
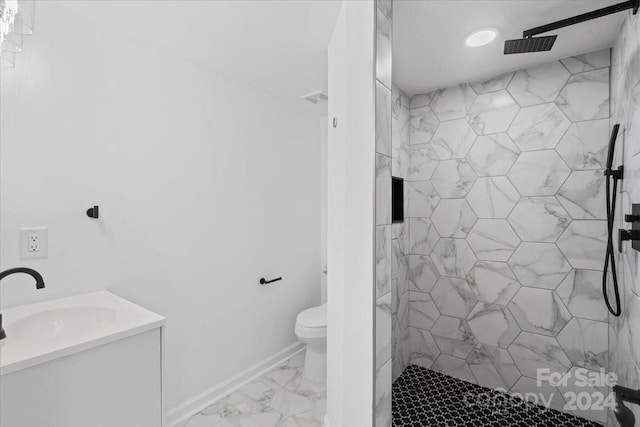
(30, 272)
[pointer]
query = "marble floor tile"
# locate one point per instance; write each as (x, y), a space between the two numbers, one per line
(493, 325)
(279, 398)
(453, 297)
(539, 127)
(453, 218)
(493, 282)
(539, 265)
(538, 84)
(539, 219)
(493, 155)
(290, 403)
(493, 197)
(493, 239)
(540, 311)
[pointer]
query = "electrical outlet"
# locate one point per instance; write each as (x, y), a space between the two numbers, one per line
(34, 243)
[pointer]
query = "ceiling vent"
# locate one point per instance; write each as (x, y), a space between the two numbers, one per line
(316, 97)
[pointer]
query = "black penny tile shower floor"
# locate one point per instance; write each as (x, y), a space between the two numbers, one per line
(424, 398)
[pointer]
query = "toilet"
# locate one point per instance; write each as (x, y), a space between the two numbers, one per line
(311, 329)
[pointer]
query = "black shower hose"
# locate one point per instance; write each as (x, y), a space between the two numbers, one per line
(609, 259)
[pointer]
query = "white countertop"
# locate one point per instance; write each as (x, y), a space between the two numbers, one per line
(41, 332)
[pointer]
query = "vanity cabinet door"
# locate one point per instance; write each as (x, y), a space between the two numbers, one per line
(116, 384)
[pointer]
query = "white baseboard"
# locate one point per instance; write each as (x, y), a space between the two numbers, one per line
(194, 405)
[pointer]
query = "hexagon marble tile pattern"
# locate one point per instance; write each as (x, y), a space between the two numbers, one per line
(624, 339)
(392, 122)
(279, 398)
(506, 239)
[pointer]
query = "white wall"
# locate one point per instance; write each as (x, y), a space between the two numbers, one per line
(323, 204)
(204, 186)
(351, 171)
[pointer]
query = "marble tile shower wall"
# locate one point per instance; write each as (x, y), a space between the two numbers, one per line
(624, 335)
(400, 236)
(383, 347)
(506, 225)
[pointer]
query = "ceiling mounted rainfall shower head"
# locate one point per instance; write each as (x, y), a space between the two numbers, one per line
(528, 43)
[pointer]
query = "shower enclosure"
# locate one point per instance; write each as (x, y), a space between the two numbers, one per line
(494, 277)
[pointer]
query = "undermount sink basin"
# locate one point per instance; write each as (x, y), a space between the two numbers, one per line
(62, 323)
(45, 331)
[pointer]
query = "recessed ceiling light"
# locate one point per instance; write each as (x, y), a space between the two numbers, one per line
(481, 37)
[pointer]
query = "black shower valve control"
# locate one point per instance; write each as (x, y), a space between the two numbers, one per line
(623, 235)
(615, 173)
(631, 218)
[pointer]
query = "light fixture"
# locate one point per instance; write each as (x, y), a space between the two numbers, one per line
(481, 37)
(16, 20)
(8, 12)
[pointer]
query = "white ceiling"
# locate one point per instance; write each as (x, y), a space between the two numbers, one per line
(276, 46)
(428, 38)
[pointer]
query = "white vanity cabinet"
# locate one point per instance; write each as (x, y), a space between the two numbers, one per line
(112, 379)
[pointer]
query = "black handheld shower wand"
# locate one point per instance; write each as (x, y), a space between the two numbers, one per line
(612, 176)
